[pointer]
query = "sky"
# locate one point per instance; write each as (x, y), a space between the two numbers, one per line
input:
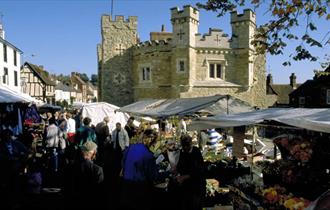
(62, 35)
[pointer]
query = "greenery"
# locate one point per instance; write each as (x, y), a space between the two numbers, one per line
(273, 36)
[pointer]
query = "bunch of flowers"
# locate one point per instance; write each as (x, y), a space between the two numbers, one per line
(212, 186)
(302, 151)
(273, 195)
(294, 203)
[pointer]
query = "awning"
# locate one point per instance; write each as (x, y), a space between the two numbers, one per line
(8, 95)
(162, 108)
(310, 119)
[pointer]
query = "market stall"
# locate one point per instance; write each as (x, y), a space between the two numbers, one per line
(211, 105)
(97, 112)
(300, 176)
(16, 110)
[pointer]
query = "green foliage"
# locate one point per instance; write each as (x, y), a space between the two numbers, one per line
(273, 36)
(84, 77)
(65, 79)
(94, 79)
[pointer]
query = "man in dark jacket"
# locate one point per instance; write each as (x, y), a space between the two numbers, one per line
(83, 180)
(190, 176)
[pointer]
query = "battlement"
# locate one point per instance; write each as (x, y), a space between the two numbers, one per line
(188, 11)
(248, 15)
(107, 19)
(152, 43)
(214, 38)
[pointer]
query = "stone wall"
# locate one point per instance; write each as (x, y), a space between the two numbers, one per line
(118, 36)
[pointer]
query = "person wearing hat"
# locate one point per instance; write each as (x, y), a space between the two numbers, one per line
(83, 179)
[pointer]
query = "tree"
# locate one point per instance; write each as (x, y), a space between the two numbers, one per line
(84, 77)
(273, 36)
(94, 79)
(65, 79)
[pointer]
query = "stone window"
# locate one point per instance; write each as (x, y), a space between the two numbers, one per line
(328, 96)
(181, 65)
(5, 76)
(146, 74)
(215, 71)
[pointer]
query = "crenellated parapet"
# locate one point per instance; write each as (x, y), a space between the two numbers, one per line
(182, 15)
(152, 46)
(214, 38)
(240, 19)
(119, 21)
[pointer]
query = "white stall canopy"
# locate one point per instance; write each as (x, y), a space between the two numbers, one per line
(162, 108)
(8, 95)
(311, 119)
(97, 112)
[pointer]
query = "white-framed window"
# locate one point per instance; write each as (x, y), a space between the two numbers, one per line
(215, 70)
(181, 65)
(15, 58)
(302, 100)
(4, 53)
(5, 76)
(146, 74)
(15, 78)
(328, 96)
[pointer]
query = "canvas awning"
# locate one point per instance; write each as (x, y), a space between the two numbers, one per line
(162, 108)
(310, 119)
(8, 95)
(97, 112)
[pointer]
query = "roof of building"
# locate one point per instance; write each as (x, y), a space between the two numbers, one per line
(283, 92)
(77, 77)
(66, 88)
(41, 73)
(308, 84)
(10, 44)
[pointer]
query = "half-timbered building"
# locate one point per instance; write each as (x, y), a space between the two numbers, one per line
(37, 83)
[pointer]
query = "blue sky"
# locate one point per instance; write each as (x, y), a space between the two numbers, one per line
(63, 34)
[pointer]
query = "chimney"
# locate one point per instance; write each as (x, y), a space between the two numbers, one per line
(163, 28)
(269, 80)
(269, 83)
(41, 66)
(293, 80)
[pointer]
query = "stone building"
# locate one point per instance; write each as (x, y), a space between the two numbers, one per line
(181, 63)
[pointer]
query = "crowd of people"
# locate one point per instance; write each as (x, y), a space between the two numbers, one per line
(98, 168)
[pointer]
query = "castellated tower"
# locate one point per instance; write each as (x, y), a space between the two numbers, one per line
(185, 26)
(243, 30)
(115, 59)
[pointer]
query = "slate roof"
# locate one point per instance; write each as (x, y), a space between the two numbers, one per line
(283, 92)
(306, 85)
(41, 73)
(9, 44)
(65, 88)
